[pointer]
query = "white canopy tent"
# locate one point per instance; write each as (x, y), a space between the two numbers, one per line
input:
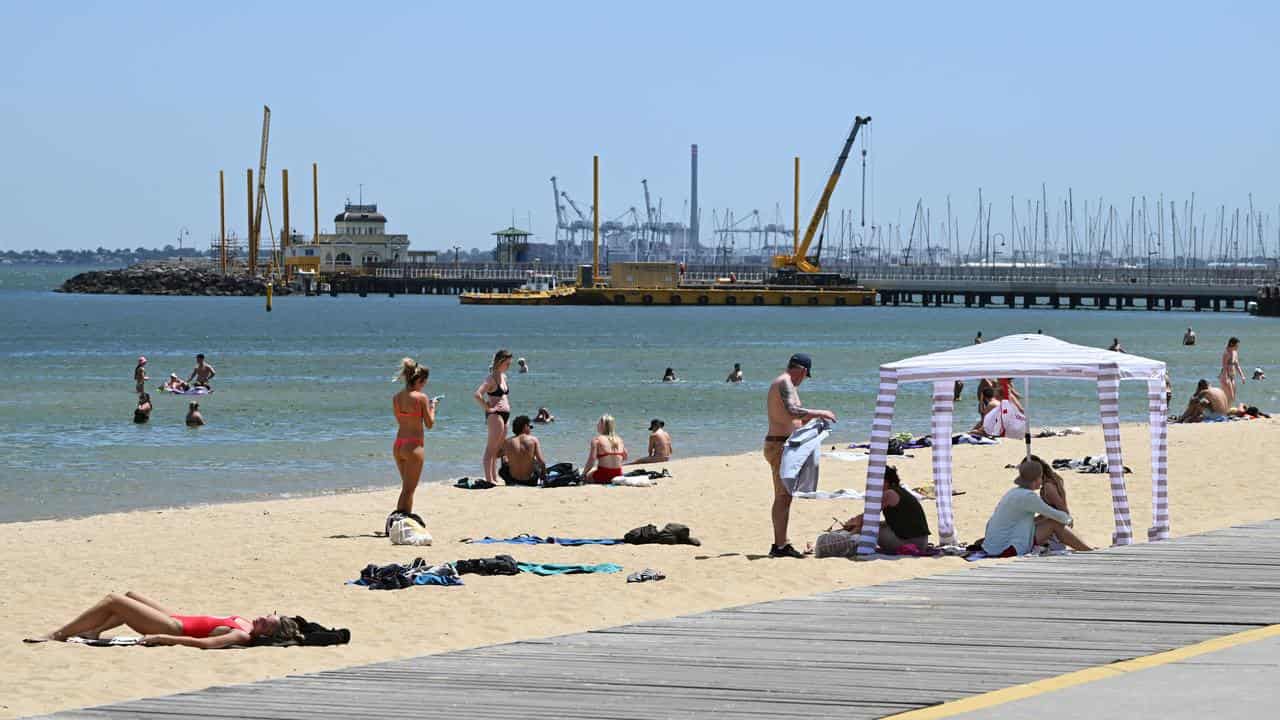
(1021, 356)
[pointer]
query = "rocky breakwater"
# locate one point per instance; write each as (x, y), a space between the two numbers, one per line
(166, 280)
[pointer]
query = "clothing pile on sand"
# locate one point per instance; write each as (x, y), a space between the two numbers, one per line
(567, 475)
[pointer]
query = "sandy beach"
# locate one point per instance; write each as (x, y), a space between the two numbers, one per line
(294, 556)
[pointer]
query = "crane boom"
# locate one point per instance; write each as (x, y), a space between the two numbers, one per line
(800, 260)
(255, 233)
(573, 205)
(555, 191)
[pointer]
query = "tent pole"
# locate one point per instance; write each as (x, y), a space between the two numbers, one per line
(1026, 395)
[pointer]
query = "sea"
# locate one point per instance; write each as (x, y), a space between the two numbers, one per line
(302, 403)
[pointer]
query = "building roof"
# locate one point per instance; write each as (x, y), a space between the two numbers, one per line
(512, 231)
(360, 213)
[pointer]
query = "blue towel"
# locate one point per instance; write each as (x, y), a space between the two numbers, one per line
(567, 568)
(527, 539)
(422, 579)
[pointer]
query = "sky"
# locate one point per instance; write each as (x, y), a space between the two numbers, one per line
(115, 118)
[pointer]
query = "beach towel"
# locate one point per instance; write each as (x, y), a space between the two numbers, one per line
(841, 494)
(527, 539)
(567, 568)
(969, 439)
(118, 641)
(847, 456)
(634, 481)
(802, 456)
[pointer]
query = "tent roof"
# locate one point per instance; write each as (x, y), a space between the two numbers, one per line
(1023, 356)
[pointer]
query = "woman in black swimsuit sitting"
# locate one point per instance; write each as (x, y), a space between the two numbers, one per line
(494, 397)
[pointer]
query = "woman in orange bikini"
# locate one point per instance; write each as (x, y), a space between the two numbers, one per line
(606, 453)
(494, 397)
(159, 626)
(413, 411)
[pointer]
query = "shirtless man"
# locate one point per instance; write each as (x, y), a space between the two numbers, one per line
(1206, 403)
(659, 444)
(202, 374)
(735, 376)
(785, 415)
(522, 461)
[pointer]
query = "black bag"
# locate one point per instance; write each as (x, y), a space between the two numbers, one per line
(561, 475)
(670, 534)
(500, 565)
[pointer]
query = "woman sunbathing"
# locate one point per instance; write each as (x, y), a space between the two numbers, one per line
(159, 626)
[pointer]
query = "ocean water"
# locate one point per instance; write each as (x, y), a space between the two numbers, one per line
(302, 401)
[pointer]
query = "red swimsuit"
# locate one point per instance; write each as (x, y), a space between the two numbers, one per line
(200, 626)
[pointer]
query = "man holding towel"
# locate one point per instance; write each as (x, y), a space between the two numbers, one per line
(785, 415)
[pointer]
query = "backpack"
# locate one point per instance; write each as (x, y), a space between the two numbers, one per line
(561, 475)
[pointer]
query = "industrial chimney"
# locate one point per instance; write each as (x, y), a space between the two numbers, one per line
(693, 194)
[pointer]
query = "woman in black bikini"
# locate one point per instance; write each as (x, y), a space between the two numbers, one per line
(494, 398)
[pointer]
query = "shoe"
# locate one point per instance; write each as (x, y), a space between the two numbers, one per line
(784, 551)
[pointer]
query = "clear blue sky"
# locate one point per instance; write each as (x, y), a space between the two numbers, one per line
(117, 116)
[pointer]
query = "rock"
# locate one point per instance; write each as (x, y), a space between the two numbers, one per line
(166, 280)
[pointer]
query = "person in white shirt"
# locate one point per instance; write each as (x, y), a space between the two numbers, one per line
(1014, 527)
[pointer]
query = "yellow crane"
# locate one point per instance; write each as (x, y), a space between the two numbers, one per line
(255, 231)
(800, 262)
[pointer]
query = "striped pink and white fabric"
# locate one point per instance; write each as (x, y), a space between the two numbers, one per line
(1158, 418)
(943, 411)
(1021, 356)
(1109, 411)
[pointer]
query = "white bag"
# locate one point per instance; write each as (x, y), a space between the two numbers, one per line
(1005, 421)
(403, 532)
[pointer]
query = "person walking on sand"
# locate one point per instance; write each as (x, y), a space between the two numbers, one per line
(203, 373)
(1230, 370)
(140, 377)
(413, 411)
(1189, 337)
(494, 398)
(735, 375)
(786, 414)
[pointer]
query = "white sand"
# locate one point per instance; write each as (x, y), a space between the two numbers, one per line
(294, 556)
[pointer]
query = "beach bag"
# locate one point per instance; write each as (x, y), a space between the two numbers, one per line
(1005, 421)
(836, 543)
(404, 533)
(561, 475)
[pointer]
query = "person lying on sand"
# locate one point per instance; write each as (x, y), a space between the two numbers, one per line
(1023, 520)
(904, 520)
(160, 626)
(521, 454)
(659, 444)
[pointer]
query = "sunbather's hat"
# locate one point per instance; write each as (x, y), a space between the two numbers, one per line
(804, 361)
(655, 423)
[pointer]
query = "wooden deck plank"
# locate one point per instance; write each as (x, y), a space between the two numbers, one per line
(862, 652)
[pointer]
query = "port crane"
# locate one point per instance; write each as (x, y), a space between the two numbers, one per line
(255, 232)
(789, 266)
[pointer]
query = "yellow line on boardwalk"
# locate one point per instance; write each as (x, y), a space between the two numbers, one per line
(1080, 677)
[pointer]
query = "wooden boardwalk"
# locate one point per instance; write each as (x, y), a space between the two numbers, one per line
(858, 653)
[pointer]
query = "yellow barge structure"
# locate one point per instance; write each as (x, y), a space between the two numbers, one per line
(797, 280)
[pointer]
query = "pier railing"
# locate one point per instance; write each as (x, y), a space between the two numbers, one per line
(868, 274)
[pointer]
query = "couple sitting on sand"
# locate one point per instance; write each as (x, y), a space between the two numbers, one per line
(1210, 404)
(523, 463)
(1032, 513)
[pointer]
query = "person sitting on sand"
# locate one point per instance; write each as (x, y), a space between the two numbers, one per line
(1207, 403)
(904, 520)
(544, 416)
(606, 453)
(175, 384)
(735, 375)
(521, 455)
(987, 404)
(160, 626)
(659, 444)
(194, 418)
(669, 375)
(1014, 527)
(142, 413)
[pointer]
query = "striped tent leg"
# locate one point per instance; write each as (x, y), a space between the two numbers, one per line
(1108, 403)
(881, 426)
(1159, 421)
(943, 410)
